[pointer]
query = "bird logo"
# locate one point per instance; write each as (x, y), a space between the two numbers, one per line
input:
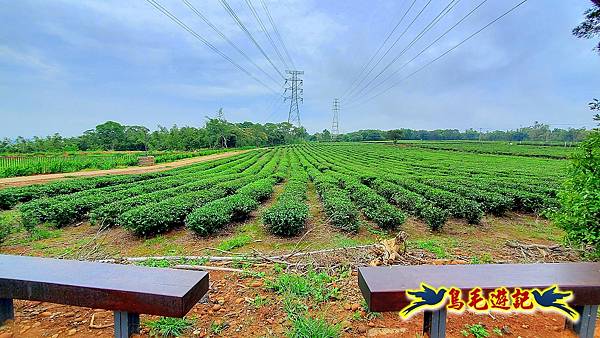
(553, 299)
(426, 297)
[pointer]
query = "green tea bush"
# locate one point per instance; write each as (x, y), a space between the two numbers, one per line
(433, 216)
(288, 215)
(213, 216)
(375, 207)
(165, 215)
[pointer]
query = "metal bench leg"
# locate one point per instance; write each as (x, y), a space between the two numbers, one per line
(7, 310)
(434, 323)
(126, 324)
(584, 328)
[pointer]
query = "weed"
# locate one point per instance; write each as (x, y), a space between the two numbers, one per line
(217, 327)
(485, 258)
(343, 241)
(497, 331)
(370, 314)
(432, 246)
(156, 263)
(311, 285)
(168, 327)
(305, 327)
(44, 232)
(235, 242)
(259, 301)
(476, 330)
(293, 307)
(242, 262)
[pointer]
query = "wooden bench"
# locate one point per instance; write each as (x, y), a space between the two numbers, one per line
(127, 290)
(384, 288)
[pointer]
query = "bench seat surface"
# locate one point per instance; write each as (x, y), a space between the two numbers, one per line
(136, 289)
(384, 287)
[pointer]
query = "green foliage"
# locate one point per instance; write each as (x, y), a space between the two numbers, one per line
(375, 207)
(217, 327)
(433, 216)
(162, 216)
(235, 242)
(7, 223)
(288, 215)
(432, 246)
(168, 327)
(477, 330)
(313, 285)
(307, 327)
(215, 215)
(579, 212)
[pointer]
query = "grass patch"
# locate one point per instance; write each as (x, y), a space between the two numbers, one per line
(485, 258)
(168, 327)
(167, 263)
(433, 246)
(235, 242)
(343, 241)
(303, 327)
(159, 246)
(313, 285)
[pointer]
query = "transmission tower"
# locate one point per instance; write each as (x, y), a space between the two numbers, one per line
(335, 130)
(294, 91)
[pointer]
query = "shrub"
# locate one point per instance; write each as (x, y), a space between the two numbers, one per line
(434, 216)
(215, 215)
(286, 218)
(165, 215)
(579, 212)
(375, 207)
(337, 204)
(288, 215)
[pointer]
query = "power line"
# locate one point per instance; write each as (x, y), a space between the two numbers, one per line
(266, 8)
(445, 53)
(379, 49)
(218, 31)
(392, 46)
(174, 18)
(449, 7)
(391, 75)
(243, 27)
(267, 34)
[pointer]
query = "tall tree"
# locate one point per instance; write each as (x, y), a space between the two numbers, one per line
(590, 27)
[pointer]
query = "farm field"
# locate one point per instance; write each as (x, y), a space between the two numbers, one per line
(454, 207)
(14, 165)
(527, 149)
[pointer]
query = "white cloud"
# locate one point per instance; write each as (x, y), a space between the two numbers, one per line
(31, 59)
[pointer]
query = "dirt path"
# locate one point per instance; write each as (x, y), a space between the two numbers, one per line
(28, 180)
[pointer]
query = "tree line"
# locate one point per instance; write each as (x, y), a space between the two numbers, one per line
(219, 133)
(216, 133)
(536, 132)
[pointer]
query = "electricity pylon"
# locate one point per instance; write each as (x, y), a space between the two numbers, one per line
(335, 128)
(293, 84)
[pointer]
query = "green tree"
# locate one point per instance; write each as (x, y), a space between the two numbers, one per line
(111, 135)
(395, 135)
(590, 27)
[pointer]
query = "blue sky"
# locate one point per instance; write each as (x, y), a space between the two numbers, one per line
(67, 65)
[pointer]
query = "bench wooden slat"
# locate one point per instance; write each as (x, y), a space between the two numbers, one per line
(384, 287)
(134, 289)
